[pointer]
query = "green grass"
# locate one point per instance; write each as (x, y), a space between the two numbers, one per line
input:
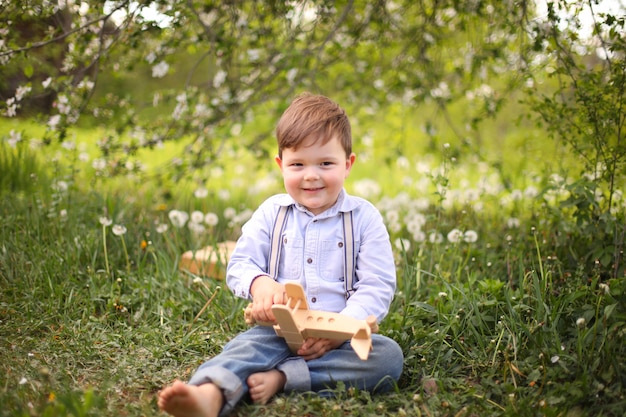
(92, 323)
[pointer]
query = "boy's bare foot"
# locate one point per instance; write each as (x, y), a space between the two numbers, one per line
(264, 385)
(183, 400)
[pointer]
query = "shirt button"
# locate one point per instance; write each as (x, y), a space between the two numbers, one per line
(309, 261)
(340, 244)
(285, 240)
(313, 300)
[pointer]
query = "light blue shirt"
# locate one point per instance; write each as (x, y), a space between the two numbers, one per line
(311, 255)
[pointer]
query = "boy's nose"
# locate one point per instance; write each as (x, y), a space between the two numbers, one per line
(311, 174)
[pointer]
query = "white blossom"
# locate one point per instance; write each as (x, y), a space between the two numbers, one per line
(220, 77)
(54, 121)
(21, 91)
(14, 138)
(151, 57)
(160, 69)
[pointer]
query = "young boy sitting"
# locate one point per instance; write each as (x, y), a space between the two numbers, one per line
(315, 157)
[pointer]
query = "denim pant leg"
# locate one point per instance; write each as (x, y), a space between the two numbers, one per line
(379, 373)
(255, 350)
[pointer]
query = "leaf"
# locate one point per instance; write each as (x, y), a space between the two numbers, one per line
(28, 70)
(608, 310)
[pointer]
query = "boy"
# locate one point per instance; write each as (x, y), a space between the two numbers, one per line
(315, 157)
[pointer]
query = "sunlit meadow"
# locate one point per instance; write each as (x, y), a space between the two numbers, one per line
(498, 309)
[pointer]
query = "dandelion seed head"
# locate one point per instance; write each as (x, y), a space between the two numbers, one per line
(419, 236)
(211, 219)
(196, 228)
(454, 236)
(401, 244)
(178, 218)
(554, 359)
(230, 212)
(201, 192)
(105, 221)
(580, 322)
(470, 236)
(197, 216)
(435, 237)
(118, 230)
(223, 195)
(604, 288)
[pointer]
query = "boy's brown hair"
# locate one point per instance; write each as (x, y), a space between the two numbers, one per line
(314, 117)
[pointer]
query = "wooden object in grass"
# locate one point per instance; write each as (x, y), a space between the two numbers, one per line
(295, 323)
(210, 261)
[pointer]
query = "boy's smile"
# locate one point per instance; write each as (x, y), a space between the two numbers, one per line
(314, 174)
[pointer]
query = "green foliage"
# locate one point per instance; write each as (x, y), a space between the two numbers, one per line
(585, 112)
(20, 169)
(196, 70)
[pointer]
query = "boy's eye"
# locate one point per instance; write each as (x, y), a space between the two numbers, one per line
(326, 163)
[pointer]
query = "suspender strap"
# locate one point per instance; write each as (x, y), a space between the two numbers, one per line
(275, 246)
(349, 253)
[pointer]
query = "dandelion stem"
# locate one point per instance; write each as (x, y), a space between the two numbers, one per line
(126, 254)
(104, 244)
(204, 308)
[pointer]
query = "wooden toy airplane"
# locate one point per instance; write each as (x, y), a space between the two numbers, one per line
(295, 323)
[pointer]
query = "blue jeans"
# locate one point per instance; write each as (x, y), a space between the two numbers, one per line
(260, 349)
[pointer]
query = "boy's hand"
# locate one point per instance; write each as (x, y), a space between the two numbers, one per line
(314, 348)
(265, 293)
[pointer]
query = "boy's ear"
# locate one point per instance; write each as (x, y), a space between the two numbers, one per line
(350, 162)
(279, 162)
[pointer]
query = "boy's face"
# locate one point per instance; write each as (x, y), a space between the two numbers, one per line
(314, 173)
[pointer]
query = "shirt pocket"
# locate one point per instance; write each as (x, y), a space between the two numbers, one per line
(332, 260)
(290, 265)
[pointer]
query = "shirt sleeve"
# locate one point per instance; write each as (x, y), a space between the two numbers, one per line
(375, 268)
(249, 258)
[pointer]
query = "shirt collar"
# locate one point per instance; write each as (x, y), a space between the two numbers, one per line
(345, 203)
